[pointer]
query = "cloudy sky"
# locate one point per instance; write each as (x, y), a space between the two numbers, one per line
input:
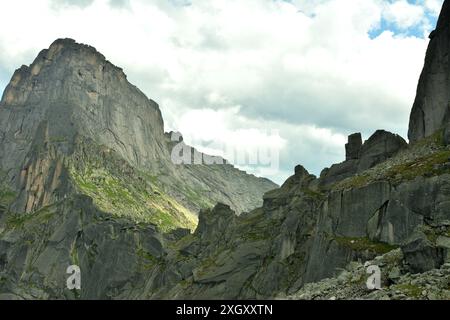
(294, 76)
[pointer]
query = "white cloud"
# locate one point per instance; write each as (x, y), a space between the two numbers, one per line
(225, 130)
(306, 68)
(434, 6)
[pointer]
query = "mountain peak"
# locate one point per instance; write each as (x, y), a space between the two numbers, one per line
(71, 47)
(68, 44)
(64, 62)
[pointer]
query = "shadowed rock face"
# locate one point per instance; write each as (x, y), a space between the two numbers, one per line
(430, 111)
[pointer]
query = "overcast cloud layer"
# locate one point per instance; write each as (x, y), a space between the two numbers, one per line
(297, 76)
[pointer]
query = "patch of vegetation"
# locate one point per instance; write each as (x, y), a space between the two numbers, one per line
(436, 139)
(74, 254)
(359, 279)
(121, 190)
(148, 261)
(363, 244)
(433, 234)
(76, 294)
(410, 290)
(58, 139)
(196, 198)
(7, 196)
(206, 265)
(131, 196)
(427, 157)
(353, 182)
(164, 220)
(182, 243)
(253, 217)
(314, 194)
(185, 283)
(431, 165)
(18, 220)
(255, 226)
(256, 235)
(153, 179)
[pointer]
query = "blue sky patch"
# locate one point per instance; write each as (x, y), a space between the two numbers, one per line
(420, 30)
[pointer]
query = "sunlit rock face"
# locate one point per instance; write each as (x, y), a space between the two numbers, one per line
(74, 90)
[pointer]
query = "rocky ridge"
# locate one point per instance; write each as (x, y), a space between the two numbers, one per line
(350, 284)
(71, 102)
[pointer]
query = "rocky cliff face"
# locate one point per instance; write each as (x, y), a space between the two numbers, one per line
(83, 148)
(303, 233)
(431, 110)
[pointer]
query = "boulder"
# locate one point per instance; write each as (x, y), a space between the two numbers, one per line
(380, 146)
(421, 255)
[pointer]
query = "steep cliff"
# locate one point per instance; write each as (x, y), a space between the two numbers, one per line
(431, 110)
(303, 233)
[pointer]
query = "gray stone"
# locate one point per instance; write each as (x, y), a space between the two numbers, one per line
(431, 106)
(446, 134)
(353, 147)
(395, 274)
(338, 172)
(421, 255)
(381, 146)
